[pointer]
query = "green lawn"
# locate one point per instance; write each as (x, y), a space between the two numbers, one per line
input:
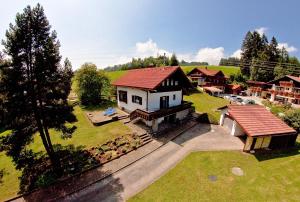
(115, 74)
(276, 179)
(204, 103)
(85, 135)
(228, 70)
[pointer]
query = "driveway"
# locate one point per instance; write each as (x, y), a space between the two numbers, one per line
(138, 176)
(257, 100)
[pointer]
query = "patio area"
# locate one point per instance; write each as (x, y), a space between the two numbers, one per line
(99, 118)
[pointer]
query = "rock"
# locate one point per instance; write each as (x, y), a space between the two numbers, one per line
(212, 178)
(237, 171)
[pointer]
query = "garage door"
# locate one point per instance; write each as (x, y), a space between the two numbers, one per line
(228, 123)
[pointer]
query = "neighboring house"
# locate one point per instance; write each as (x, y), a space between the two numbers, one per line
(233, 89)
(154, 94)
(286, 90)
(208, 78)
(257, 127)
(258, 88)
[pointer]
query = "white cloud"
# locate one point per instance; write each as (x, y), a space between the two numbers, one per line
(210, 55)
(287, 47)
(149, 48)
(237, 54)
(261, 30)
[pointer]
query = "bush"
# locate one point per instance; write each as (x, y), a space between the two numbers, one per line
(292, 118)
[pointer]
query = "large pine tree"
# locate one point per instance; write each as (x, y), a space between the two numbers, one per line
(35, 85)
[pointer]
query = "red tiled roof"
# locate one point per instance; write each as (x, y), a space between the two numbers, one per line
(256, 120)
(208, 72)
(146, 78)
(234, 86)
(295, 78)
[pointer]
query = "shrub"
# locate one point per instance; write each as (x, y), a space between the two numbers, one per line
(292, 118)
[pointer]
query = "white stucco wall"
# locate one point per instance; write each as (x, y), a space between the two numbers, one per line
(154, 99)
(237, 129)
(130, 106)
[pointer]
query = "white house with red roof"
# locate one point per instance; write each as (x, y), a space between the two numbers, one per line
(208, 78)
(154, 94)
(257, 127)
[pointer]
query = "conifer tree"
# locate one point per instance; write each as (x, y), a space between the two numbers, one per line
(35, 85)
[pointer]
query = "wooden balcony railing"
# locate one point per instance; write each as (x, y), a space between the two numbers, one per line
(159, 113)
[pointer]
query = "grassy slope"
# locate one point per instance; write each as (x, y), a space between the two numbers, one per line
(115, 74)
(277, 179)
(205, 103)
(86, 135)
(227, 71)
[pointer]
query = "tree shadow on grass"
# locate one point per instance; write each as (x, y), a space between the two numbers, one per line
(80, 170)
(194, 91)
(2, 171)
(100, 107)
(282, 153)
(39, 173)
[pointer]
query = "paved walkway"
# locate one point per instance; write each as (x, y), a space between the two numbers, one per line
(136, 177)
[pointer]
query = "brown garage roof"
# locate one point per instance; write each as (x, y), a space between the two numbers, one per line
(256, 120)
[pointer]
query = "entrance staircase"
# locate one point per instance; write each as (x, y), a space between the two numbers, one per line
(146, 138)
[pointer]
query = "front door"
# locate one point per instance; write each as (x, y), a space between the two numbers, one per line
(164, 102)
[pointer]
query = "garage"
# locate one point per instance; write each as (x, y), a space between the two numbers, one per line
(258, 127)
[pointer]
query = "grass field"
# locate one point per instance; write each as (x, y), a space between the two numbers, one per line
(204, 103)
(85, 135)
(228, 70)
(276, 179)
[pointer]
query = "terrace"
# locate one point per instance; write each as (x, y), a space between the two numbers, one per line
(150, 115)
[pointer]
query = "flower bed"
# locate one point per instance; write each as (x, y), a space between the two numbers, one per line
(115, 148)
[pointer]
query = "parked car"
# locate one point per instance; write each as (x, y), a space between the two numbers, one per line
(238, 99)
(248, 102)
(231, 97)
(243, 93)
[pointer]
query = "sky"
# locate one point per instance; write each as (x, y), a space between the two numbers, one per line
(110, 32)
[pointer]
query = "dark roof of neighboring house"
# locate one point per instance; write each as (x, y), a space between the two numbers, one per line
(256, 120)
(256, 82)
(205, 71)
(294, 78)
(148, 78)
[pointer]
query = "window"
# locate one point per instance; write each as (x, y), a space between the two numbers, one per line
(167, 82)
(163, 83)
(174, 97)
(137, 99)
(123, 96)
(176, 83)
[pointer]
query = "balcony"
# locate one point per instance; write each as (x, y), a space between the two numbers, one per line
(159, 113)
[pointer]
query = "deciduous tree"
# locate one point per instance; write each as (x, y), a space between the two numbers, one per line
(91, 84)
